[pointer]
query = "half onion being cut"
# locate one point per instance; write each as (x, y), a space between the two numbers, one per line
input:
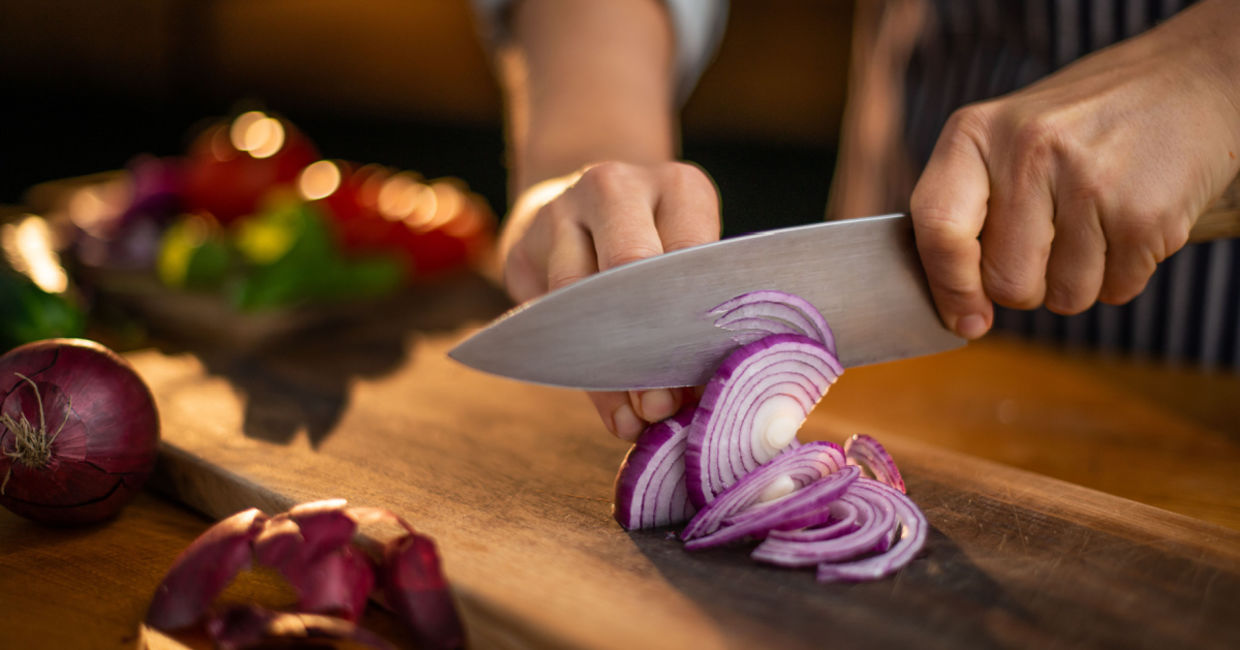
(752, 409)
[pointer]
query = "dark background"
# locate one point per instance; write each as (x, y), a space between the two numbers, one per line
(403, 83)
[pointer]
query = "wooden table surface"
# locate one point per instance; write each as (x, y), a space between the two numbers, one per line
(1169, 437)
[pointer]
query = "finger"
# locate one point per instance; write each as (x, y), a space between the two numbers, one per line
(1129, 266)
(1074, 273)
(617, 208)
(618, 414)
(1017, 237)
(657, 404)
(687, 213)
(949, 208)
(572, 255)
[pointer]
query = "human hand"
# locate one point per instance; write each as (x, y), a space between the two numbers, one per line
(1071, 191)
(597, 218)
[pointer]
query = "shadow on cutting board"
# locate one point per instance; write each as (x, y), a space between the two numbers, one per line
(942, 599)
(301, 380)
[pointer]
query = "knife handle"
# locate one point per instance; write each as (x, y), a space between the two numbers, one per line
(1222, 220)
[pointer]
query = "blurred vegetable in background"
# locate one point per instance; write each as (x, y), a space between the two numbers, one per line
(252, 216)
(31, 314)
(34, 287)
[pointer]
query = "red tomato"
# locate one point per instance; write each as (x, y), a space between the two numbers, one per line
(230, 182)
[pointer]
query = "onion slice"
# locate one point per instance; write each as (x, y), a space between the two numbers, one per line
(758, 314)
(804, 507)
(786, 473)
(870, 536)
(912, 539)
(869, 454)
(650, 485)
(752, 409)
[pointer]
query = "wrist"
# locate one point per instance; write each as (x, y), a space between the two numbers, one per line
(1209, 30)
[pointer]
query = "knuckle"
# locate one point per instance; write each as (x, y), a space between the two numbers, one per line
(939, 231)
(1120, 290)
(970, 121)
(606, 178)
(1035, 136)
(1010, 287)
(1066, 300)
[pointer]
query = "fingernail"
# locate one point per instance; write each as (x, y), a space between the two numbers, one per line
(626, 422)
(972, 326)
(657, 404)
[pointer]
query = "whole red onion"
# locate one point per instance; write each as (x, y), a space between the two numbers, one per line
(78, 431)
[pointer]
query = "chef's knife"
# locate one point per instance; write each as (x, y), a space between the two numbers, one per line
(647, 324)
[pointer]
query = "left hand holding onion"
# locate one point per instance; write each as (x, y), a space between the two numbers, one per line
(1071, 191)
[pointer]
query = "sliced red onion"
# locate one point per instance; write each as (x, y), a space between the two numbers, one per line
(757, 314)
(806, 506)
(203, 569)
(417, 591)
(251, 626)
(650, 486)
(871, 536)
(912, 538)
(845, 516)
(866, 452)
(782, 475)
(752, 409)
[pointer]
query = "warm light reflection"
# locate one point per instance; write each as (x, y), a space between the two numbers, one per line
(449, 201)
(257, 133)
(372, 177)
(400, 195)
(95, 208)
(318, 180)
(28, 249)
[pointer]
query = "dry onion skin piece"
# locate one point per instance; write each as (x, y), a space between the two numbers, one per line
(314, 547)
(869, 454)
(752, 408)
(417, 591)
(650, 487)
(784, 474)
(203, 570)
(757, 314)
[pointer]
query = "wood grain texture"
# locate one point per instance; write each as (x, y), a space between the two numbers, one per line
(514, 482)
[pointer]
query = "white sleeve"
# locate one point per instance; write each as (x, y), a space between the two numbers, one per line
(698, 26)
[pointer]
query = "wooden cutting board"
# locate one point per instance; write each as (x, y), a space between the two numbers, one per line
(514, 482)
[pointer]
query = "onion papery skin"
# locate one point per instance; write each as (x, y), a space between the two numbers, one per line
(757, 314)
(722, 444)
(807, 506)
(105, 424)
(870, 536)
(650, 487)
(204, 569)
(869, 454)
(800, 467)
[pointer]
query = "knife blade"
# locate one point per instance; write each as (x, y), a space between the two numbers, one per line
(647, 324)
